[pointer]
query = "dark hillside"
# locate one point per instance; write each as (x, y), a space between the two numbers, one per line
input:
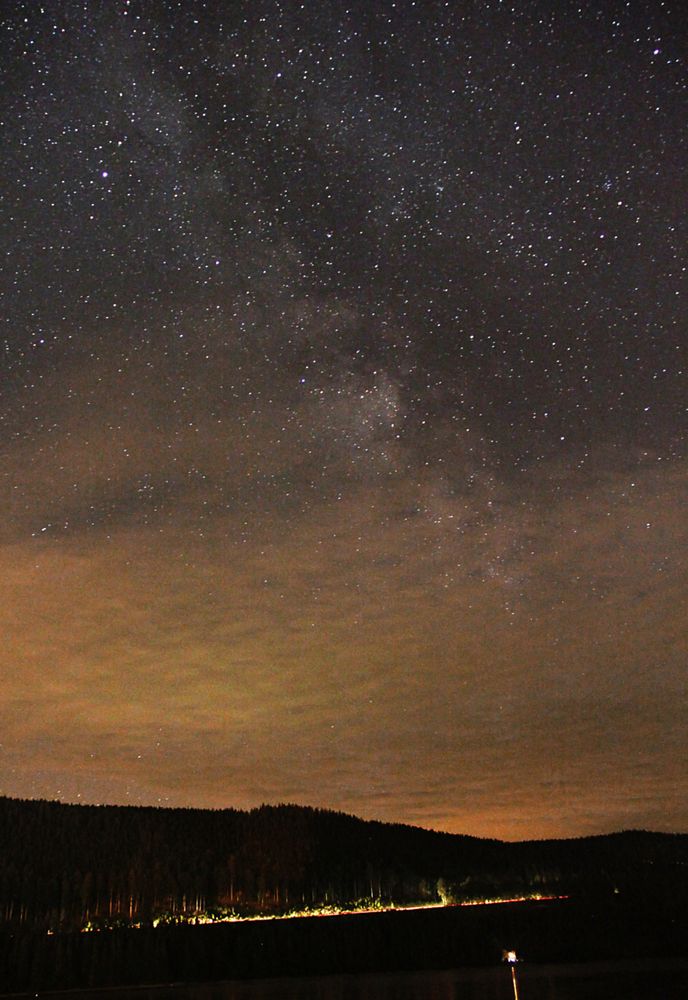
(63, 867)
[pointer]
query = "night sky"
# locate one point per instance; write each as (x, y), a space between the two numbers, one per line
(343, 409)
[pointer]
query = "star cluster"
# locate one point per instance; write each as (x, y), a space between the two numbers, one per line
(343, 408)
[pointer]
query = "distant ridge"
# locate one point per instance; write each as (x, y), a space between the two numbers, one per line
(66, 866)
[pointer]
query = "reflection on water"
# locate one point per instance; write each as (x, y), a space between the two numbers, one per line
(659, 980)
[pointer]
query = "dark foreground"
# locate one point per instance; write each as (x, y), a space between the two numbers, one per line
(553, 932)
(634, 980)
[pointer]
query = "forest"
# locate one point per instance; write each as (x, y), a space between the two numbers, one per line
(101, 896)
(79, 867)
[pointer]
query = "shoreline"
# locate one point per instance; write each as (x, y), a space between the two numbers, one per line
(607, 929)
(533, 971)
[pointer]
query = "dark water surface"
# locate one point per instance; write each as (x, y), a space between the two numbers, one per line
(642, 980)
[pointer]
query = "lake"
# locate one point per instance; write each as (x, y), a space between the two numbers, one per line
(641, 980)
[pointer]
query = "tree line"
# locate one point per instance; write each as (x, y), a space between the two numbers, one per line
(66, 867)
